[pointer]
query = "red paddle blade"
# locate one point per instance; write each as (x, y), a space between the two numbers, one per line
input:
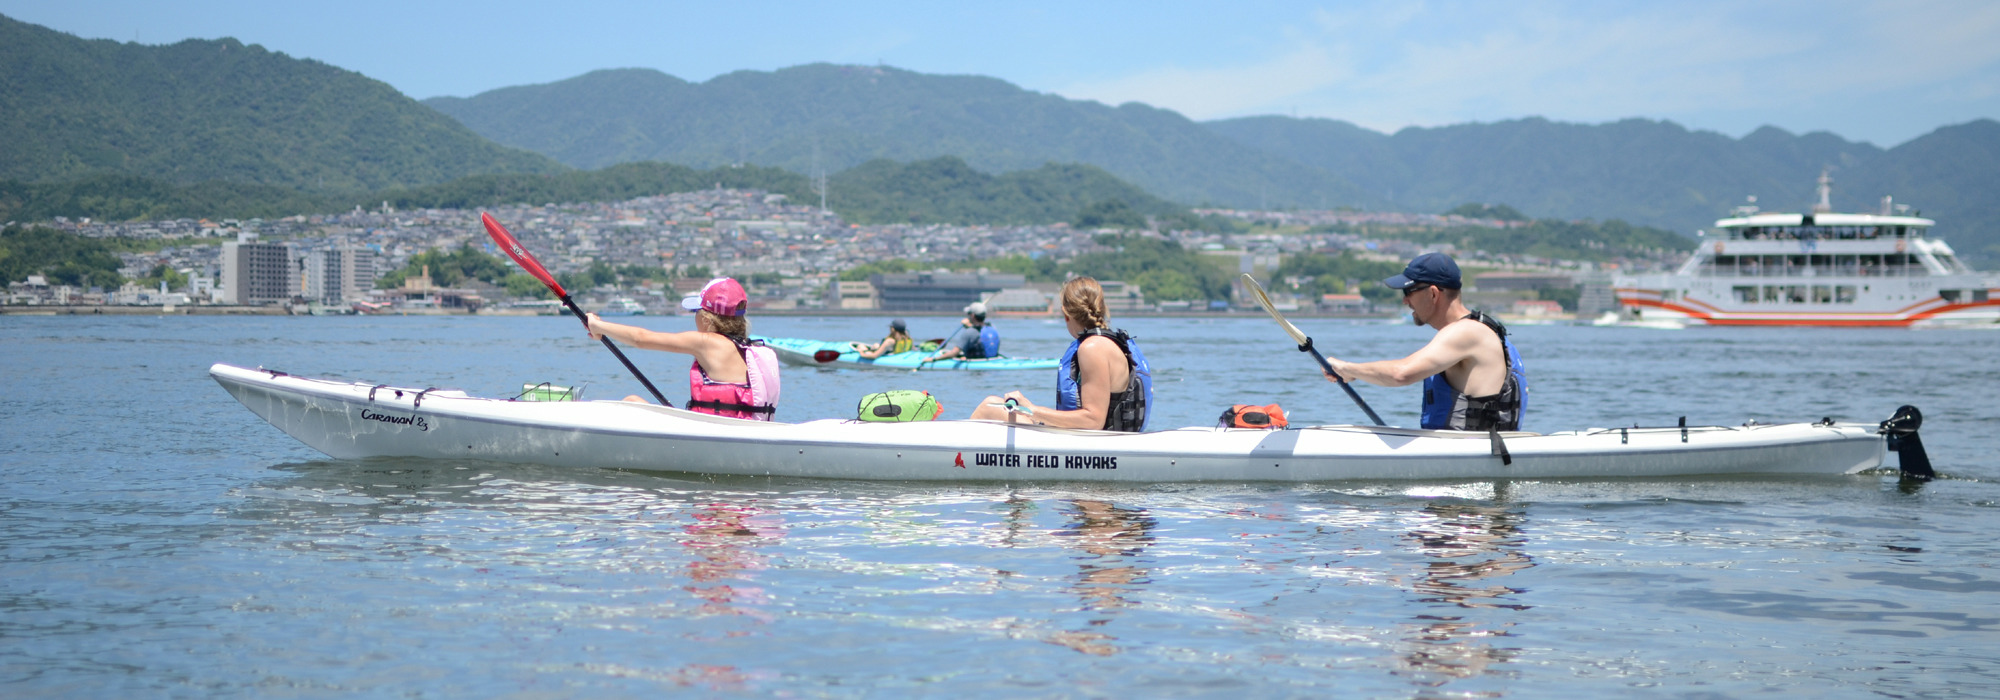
(520, 255)
(826, 355)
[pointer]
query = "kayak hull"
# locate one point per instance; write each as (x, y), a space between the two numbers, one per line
(359, 421)
(804, 351)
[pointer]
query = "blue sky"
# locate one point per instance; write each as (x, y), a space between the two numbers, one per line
(1883, 72)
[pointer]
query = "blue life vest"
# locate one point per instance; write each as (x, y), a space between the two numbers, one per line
(1447, 409)
(989, 341)
(1130, 409)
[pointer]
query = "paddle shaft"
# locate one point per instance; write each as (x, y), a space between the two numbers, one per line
(513, 249)
(1351, 393)
(615, 351)
(1306, 345)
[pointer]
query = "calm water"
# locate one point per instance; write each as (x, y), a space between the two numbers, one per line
(157, 539)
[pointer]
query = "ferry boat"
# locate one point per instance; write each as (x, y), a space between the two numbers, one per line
(1815, 269)
(623, 306)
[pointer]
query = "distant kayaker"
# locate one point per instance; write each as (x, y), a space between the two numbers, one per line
(974, 340)
(898, 341)
(1103, 381)
(732, 375)
(1473, 378)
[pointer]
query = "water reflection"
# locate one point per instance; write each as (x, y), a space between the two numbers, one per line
(1112, 540)
(722, 539)
(1472, 548)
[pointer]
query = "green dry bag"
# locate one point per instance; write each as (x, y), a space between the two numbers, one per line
(901, 405)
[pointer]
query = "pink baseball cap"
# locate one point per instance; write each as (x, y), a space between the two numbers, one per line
(722, 296)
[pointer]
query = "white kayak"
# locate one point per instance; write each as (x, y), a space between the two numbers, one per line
(349, 420)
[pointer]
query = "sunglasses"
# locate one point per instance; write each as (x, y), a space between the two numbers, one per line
(1407, 291)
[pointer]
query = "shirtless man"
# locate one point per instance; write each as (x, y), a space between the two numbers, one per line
(1472, 376)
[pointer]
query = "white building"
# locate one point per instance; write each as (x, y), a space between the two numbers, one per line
(339, 276)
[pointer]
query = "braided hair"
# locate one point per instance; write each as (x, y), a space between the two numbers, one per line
(1083, 300)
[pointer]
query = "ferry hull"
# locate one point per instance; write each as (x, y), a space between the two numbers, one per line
(1651, 305)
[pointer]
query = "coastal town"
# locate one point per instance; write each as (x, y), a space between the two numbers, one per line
(790, 257)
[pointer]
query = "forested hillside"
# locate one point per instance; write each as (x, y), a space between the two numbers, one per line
(849, 115)
(944, 190)
(220, 110)
(1640, 170)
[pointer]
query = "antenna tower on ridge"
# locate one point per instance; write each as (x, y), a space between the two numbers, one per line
(1825, 203)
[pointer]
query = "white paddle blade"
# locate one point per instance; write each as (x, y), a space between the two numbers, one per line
(1265, 301)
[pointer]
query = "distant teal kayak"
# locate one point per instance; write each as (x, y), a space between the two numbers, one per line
(820, 353)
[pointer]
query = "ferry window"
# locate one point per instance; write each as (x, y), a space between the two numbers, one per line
(1979, 295)
(1843, 294)
(1949, 295)
(1822, 294)
(1745, 294)
(1916, 232)
(1771, 294)
(1795, 294)
(1669, 294)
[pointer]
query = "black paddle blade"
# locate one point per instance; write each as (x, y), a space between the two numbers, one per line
(1901, 431)
(826, 355)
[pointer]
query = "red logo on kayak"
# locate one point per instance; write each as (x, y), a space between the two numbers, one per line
(959, 461)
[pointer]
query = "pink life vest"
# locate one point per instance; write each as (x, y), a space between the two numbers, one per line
(755, 399)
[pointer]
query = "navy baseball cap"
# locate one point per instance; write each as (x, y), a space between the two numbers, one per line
(1435, 269)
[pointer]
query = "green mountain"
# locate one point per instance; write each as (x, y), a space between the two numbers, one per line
(1949, 175)
(1651, 172)
(220, 110)
(850, 115)
(947, 190)
(1647, 172)
(1654, 173)
(942, 190)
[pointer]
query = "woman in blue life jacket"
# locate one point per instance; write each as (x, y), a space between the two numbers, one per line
(1473, 379)
(1103, 381)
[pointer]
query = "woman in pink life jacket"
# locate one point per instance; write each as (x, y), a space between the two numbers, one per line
(732, 375)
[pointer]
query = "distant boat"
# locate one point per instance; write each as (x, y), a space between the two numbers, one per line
(623, 306)
(1815, 269)
(370, 307)
(541, 307)
(318, 309)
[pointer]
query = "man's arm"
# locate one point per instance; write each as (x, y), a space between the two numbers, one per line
(1447, 348)
(952, 346)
